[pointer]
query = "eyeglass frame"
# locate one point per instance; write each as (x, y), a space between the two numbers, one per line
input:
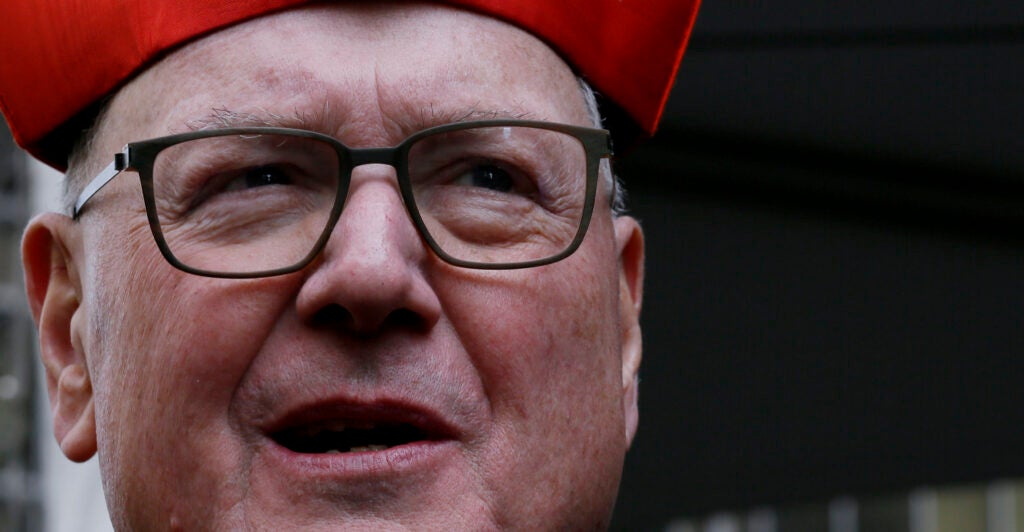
(140, 157)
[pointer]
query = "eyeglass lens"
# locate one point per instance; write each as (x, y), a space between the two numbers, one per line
(251, 203)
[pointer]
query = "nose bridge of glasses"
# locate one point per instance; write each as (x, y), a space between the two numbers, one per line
(362, 156)
(376, 159)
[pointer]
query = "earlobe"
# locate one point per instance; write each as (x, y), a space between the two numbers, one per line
(630, 241)
(74, 420)
(54, 295)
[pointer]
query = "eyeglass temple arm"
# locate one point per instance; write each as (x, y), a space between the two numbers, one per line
(100, 181)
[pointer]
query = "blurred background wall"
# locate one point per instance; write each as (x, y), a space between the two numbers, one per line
(20, 486)
(835, 286)
(834, 211)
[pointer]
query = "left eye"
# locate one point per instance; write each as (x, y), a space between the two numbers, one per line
(488, 176)
(262, 176)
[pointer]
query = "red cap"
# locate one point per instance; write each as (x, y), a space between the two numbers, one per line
(61, 60)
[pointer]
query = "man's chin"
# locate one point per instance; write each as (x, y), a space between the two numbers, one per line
(401, 485)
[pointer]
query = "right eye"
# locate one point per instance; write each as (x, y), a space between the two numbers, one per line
(264, 173)
(256, 185)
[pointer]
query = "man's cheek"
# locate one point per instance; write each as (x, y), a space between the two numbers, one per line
(202, 336)
(529, 329)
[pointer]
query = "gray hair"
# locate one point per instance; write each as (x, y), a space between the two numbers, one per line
(77, 175)
(619, 191)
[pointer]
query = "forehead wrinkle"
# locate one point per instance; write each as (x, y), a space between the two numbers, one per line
(403, 117)
(445, 95)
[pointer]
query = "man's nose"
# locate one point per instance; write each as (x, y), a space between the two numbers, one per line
(370, 275)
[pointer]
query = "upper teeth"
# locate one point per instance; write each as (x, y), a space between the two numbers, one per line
(310, 431)
(368, 448)
(346, 436)
(334, 426)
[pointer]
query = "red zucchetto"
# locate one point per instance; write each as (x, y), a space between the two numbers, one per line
(60, 59)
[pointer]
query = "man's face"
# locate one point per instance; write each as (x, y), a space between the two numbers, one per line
(519, 383)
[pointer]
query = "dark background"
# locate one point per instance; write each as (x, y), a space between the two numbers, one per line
(835, 284)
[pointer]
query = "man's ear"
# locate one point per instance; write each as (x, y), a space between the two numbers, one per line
(54, 295)
(630, 241)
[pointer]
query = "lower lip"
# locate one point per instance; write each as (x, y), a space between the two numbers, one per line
(395, 462)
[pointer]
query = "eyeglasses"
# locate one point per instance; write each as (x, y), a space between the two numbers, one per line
(262, 201)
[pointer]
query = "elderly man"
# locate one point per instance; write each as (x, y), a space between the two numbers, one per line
(374, 276)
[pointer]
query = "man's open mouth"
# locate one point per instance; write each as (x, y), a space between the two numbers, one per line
(347, 437)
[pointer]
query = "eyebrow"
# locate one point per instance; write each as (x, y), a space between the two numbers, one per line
(222, 118)
(433, 117)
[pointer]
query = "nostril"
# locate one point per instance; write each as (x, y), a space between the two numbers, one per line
(335, 317)
(403, 318)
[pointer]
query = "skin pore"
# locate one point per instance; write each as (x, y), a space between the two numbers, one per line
(524, 380)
